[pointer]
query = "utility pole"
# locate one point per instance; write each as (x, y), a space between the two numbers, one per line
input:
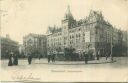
(127, 42)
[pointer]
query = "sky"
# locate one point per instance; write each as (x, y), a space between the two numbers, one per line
(21, 17)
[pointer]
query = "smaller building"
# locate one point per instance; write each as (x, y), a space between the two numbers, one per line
(35, 44)
(7, 46)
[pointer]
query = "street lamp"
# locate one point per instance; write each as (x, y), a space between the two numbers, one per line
(127, 41)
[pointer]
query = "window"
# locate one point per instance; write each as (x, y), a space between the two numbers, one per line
(79, 34)
(76, 35)
(96, 31)
(76, 40)
(83, 34)
(72, 36)
(70, 42)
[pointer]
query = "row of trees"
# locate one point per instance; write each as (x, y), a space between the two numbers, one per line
(119, 50)
(71, 55)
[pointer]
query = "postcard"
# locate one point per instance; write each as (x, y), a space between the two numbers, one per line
(64, 41)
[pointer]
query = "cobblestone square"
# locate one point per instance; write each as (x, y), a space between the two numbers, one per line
(69, 71)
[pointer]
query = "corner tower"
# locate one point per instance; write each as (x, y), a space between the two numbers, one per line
(66, 24)
(68, 18)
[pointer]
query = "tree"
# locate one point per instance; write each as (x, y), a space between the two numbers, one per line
(69, 54)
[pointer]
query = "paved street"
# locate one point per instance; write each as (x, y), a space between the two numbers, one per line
(67, 71)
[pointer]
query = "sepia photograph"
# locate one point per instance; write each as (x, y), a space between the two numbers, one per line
(68, 41)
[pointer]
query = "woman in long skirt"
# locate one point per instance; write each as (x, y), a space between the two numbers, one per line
(10, 60)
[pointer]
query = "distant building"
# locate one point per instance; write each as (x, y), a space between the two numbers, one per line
(92, 33)
(35, 44)
(8, 45)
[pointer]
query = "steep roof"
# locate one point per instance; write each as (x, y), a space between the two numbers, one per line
(68, 14)
(54, 29)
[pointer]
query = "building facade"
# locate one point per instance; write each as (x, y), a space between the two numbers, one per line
(93, 33)
(35, 45)
(7, 46)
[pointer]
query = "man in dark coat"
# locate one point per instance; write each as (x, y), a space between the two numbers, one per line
(98, 54)
(29, 59)
(10, 59)
(86, 57)
(106, 55)
(49, 56)
(53, 58)
(39, 55)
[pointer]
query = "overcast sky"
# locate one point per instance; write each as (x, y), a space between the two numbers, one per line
(20, 17)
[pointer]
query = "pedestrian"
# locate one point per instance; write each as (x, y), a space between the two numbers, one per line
(10, 59)
(98, 54)
(39, 56)
(111, 56)
(48, 56)
(106, 55)
(86, 57)
(29, 59)
(15, 59)
(53, 58)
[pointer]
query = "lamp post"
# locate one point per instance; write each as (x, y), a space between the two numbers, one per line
(127, 41)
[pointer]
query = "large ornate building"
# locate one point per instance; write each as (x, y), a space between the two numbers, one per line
(92, 33)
